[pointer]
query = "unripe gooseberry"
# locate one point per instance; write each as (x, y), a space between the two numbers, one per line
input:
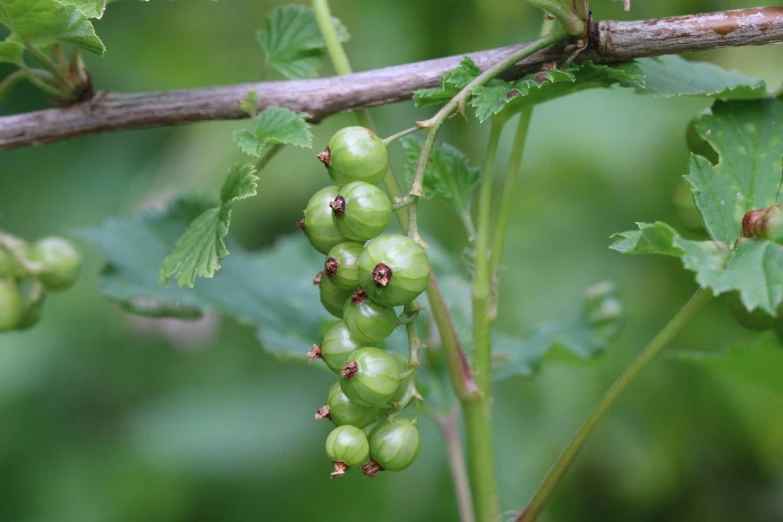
(393, 447)
(347, 446)
(337, 346)
(343, 412)
(361, 211)
(402, 388)
(11, 305)
(370, 378)
(318, 223)
(394, 270)
(342, 265)
(333, 299)
(61, 262)
(368, 321)
(355, 154)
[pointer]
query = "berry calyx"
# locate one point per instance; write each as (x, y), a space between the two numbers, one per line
(332, 298)
(318, 223)
(394, 270)
(314, 353)
(11, 305)
(393, 447)
(344, 412)
(355, 154)
(361, 211)
(370, 378)
(337, 347)
(61, 262)
(367, 320)
(342, 265)
(347, 446)
(323, 413)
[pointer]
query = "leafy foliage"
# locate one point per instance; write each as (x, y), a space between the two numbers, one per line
(664, 76)
(292, 42)
(89, 8)
(11, 52)
(583, 336)
(758, 363)
(747, 176)
(273, 126)
(201, 248)
(448, 175)
(271, 290)
(42, 22)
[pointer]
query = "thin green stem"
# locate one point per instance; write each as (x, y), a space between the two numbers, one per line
(11, 80)
(404, 202)
(268, 155)
(506, 204)
(467, 222)
(401, 134)
(449, 427)
(48, 64)
(478, 416)
(540, 498)
(38, 78)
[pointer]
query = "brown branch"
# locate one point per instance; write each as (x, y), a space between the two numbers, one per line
(611, 41)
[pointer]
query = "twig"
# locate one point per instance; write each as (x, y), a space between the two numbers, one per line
(610, 41)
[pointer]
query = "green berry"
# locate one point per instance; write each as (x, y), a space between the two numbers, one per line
(340, 410)
(347, 446)
(11, 305)
(393, 447)
(318, 223)
(355, 154)
(394, 270)
(61, 262)
(368, 321)
(370, 378)
(332, 298)
(361, 211)
(337, 346)
(342, 265)
(8, 264)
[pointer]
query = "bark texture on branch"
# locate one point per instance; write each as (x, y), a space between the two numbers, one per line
(610, 41)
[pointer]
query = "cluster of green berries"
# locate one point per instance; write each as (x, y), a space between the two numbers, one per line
(365, 276)
(28, 272)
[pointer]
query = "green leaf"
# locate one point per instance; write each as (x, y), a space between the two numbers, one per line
(199, 251)
(754, 268)
(450, 85)
(581, 337)
(758, 363)
(41, 22)
(11, 52)
(448, 175)
(89, 8)
(275, 125)
(749, 143)
(250, 105)
(292, 42)
(675, 76)
(271, 290)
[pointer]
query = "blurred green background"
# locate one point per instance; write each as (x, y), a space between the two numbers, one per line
(111, 418)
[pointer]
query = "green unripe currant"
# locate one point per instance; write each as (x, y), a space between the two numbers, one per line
(368, 321)
(61, 262)
(318, 223)
(393, 447)
(355, 154)
(11, 305)
(8, 264)
(361, 211)
(340, 410)
(347, 446)
(394, 270)
(332, 298)
(370, 378)
(336, 348)
(342, 265)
